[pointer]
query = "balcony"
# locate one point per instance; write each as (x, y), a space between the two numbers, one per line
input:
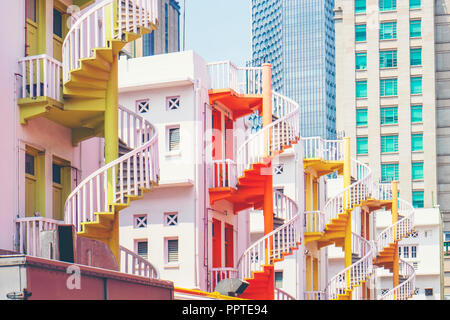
(40, 93)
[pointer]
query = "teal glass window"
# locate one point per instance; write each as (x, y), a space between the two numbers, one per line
(360, 6)
(361, 89)
(415, 28)
(389, 144)
(386, 5)
(416, 85)
(414, 4)
(388, 59)
(57, 23)
(416, 114)
(361, 117)
(362, 145)
(417, 142)
(417, 171)
(417, 199)
(361, 60)
(360, 32)
(388, 30)
(389, 172)
(388, 87)
(389, 115)
(416, 57)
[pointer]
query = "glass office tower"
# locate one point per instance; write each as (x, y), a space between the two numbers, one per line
(297, 38)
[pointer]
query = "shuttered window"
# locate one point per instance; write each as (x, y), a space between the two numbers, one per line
(142, 249)
(172, 250)
(174, 139)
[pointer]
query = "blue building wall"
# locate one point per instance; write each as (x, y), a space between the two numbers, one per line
(297, 37)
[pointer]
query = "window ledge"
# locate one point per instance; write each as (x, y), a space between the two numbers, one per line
(172, 266)
(394, 152)
(389, 68)
(396, 96)
(173, 153)
(417, 151)
(362, 126)
(417, 180)
(393, 39)
(416, 94)
(389, 124)
(417, 123)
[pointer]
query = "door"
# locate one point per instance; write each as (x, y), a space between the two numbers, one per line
(229, 246)
(217, 243)
(30, 185)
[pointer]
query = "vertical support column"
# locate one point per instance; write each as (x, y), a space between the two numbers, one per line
(268, 184)
(395, 262)
(348, 226)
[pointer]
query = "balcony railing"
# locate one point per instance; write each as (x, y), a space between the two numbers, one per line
(315, 295)
(314, 221)
(41, 77)
(224, 174)
(219, 274)
(30, 234)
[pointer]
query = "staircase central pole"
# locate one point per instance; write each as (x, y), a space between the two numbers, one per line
(347, 208)
(112, 133)
(268, 184)
(395, 262)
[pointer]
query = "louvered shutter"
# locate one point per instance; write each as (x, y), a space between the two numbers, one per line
(172, 251)
(174, 139)
(142, 249)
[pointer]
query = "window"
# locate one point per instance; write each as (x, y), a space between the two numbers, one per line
(361, 117)
(279, 169)
(413, 251)
(415, 28)
(278, 279)
(362, 145)
(388, 87)
(56, 173)
(386, 5)
(414, 4)
(389, 115)
(417, 142)
(142, 106)
(417, 199)
(389, 144)
(405, 252)
(29, 164)
(166, 28)
(172, 250)
(428, 292)
(361, 60)
(360, 6)
(174, 139)
(389, 172)
(360, 32)
(140, 221)
(416, 57)
(31, 10)
(388, 30)
(173, 103)
(388, 59)
(416, 85)
(148, 44)
(417, 171)
(57, 23)
(361, 89)
(142, 248)
(416, 114)
(399, 252)
(171, 219)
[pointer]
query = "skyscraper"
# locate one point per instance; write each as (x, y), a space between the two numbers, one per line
(297, 38)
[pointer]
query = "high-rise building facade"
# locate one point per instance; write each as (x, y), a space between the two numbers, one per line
(391, 94)
(297, 38)
(165, 39)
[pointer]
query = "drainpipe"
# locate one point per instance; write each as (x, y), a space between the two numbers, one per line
(197, 87)
(26, 28)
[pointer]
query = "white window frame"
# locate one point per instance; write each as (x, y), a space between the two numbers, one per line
(136, 241)
(168, 151)
(167, 264)
(136, 224)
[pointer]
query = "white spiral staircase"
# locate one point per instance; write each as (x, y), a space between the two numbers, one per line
(90, 54)
(363, 191)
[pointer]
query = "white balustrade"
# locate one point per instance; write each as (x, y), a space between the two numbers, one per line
(219, 274)
(224, 174)
(137, 169)
(406, 288)
(242, 80)
(315, 295)
(132, 263)
(314, 221)
(94, 29)
(29, 233)
(41, 77)
(282, 295)
(327, 150)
